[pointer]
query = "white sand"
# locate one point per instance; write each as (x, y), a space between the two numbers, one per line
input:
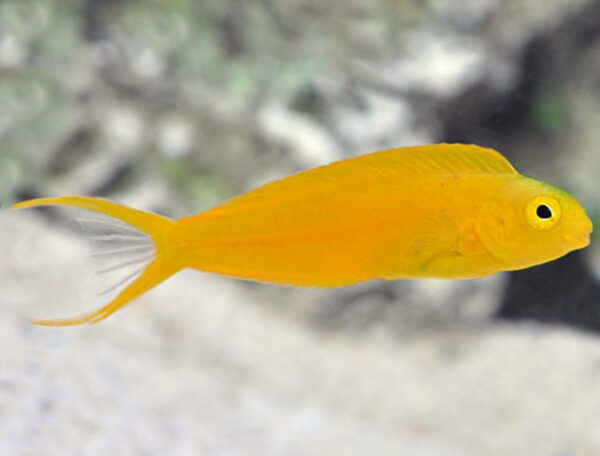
(197, 367)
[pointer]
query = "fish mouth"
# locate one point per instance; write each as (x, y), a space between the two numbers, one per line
(583, 241)
(581, 237)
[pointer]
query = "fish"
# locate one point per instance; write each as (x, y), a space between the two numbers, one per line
(453, 211)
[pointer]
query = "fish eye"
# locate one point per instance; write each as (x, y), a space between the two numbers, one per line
(543, 212)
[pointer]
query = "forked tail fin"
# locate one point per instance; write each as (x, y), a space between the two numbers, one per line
(141, 238)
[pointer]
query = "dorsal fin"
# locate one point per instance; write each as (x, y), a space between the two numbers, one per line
(374, 170)
(452, 158)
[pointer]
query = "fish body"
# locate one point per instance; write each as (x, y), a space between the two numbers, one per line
(444, 210)
(355, 220)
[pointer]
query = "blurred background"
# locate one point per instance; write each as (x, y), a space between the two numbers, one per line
(175, 106)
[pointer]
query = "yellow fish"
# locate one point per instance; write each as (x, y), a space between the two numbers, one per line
(444, 210)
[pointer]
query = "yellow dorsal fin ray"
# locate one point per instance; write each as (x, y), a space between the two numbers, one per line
(452, 158)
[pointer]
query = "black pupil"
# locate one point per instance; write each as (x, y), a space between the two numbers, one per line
(543, 212)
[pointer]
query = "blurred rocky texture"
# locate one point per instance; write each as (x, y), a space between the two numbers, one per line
(209, 98)
(176, 105)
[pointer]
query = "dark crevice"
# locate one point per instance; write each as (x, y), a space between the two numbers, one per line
(95, 19)
(563, 291)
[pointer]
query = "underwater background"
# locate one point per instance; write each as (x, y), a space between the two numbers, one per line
(175, 106)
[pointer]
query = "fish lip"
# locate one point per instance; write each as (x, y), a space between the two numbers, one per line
(589, 229)
(581, 238)
(585, 241)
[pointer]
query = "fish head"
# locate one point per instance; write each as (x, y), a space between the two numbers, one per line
(529, 222)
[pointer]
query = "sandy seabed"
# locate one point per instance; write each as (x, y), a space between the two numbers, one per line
(196, 367)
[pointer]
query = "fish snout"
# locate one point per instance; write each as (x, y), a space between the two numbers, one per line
(579, 237)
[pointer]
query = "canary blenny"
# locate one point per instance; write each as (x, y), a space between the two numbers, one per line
(444, 210)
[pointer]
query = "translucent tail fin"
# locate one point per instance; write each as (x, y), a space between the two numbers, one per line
(137, 237)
